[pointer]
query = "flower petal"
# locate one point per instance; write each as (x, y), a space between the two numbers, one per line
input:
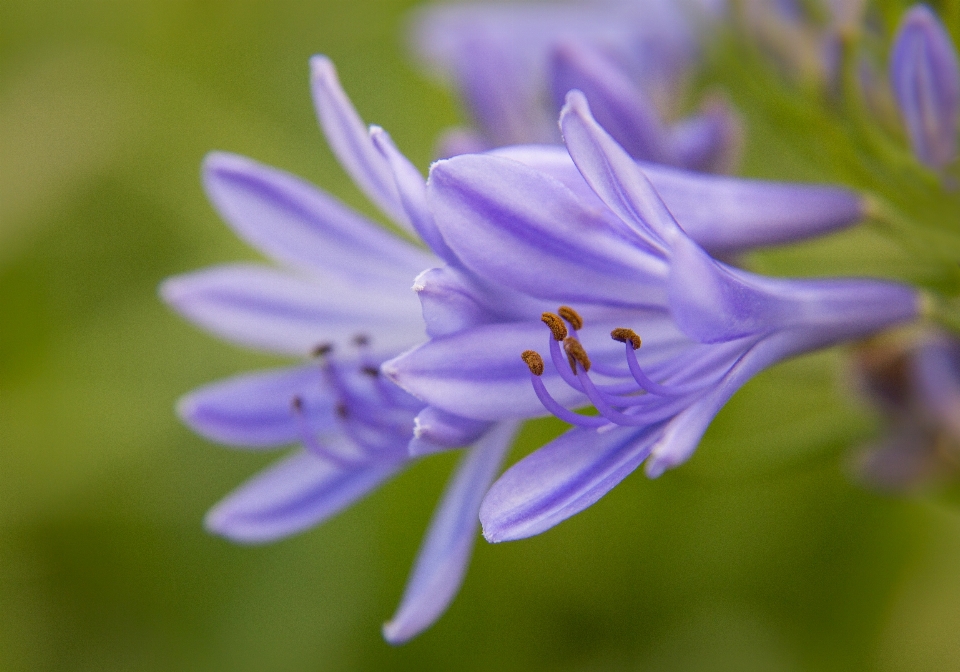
(722, 214)
(709, 142)
(435, 430)
(255, 409)
(507, 221)
(561, 479)
(298, 492)
(295, 223)
(478, 372)
(614, 176)
(412, 190)
(445, 554)
(260, 307)
(618, 104)
(925, 74)
(350, 141)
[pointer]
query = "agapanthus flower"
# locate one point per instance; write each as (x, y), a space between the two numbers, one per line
(513, 65)
(913, 379)
(339, 296)
(624, 273)
(925, 76)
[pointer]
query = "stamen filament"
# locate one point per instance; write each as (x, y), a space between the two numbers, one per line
(313, 444)
(565, 414)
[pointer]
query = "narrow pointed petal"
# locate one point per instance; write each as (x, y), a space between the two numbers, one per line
(925, 74)
(507, 221)
(613, 174)
(708, 143)
(618, 104)
(478, 372)
(443, 559)
(458, 140)
(412, 190)
(722, 214)
(936, 374)
(298, 492)
(350, 141)
(730, 215)
(255, 410)
(561, 479)
(260, 307)
(293, 222)
(435, 430)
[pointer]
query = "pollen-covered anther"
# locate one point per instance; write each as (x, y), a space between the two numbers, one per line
(625, 335)
(371, 371)
(361, 340)
(342, 411)
(557, 327)
(571, 316)
(534, 361)
(576, 354)
(296, 404)
(322, 349)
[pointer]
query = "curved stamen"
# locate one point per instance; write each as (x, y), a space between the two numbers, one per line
(535, 363)
(571, 316)
(557, 328)
(632, 343)
(313, 444)
(607, 411)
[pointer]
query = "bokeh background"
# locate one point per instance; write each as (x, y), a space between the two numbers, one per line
(760, 554)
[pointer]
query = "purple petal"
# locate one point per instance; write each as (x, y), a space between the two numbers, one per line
(614, 176)
(445, 554)
(255, 409)
(478, 373)
(412, 190)
(728, 215)
(618, 104)
(454, 299)
(263, 308)
(936, 374)
(925, 74)
(350, 141)
(722, 214)
(298, 492)
(456, 141)
(561, 479)
(435, 430)
(529, 232)
(709, 142)
(295, 223)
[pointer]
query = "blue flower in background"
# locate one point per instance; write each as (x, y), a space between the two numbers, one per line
(341, 295)
(513, 65)
(925, 76)
(708, 327)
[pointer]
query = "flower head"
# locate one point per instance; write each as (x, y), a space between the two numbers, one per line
(653, 332)
(338, 296)
(511, 62)
(925, 75)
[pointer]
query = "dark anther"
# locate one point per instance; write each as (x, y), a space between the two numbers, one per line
(557, 327)
(361, 340)
(297, 404)
(576, 354)
(371, 371)
(625, 335)
(322, 349)
(571, 316)
(342, 411)
(533, 361)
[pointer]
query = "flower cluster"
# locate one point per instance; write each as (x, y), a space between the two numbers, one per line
(593, 263)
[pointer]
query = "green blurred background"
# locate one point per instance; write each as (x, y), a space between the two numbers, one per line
(760, 554)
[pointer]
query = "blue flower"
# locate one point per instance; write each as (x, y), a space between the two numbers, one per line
(339, 294)
(925, 75)
(914, 381)
(629, 270)
(510, 63)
